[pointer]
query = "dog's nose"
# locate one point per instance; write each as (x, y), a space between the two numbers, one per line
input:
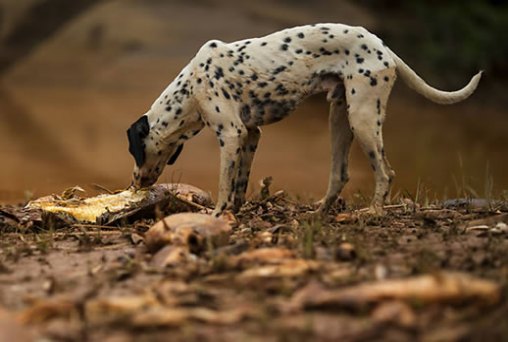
(145, 181)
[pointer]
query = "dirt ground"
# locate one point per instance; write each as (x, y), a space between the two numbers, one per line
(65, 109)
(280, 274)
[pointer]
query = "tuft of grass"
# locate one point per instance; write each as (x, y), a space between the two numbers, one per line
(308, 237)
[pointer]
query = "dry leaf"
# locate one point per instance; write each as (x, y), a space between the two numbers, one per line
(170, 255)
(110, 309)
(346, 217)
(45, 310)
(345, 252)
(188, 229)
(439, 288)
(172, 317)
(395, 312)
(290, 268)
(264, 255)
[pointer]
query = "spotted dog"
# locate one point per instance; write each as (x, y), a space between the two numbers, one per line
(233, 88)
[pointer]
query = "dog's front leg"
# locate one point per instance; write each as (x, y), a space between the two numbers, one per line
(231, 147)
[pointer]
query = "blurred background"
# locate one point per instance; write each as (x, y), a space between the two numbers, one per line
(75, 74)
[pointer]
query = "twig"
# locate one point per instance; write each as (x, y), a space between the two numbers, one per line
(391, 206)
(103, 188)
(190, 203)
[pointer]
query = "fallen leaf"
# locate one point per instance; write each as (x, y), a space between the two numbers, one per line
(170, 255)
(136, 238)
(345, 252)
(188, 229)
(346, 217)
(287, 269)
(160, 317)
(111, 309)
(44, 310)
(263, 255)
(496, 224)
(395, 312)
(446, 287)
(172, 317)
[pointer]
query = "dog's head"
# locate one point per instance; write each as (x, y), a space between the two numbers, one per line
(150, 153)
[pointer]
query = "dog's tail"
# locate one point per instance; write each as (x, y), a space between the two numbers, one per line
(439, 96)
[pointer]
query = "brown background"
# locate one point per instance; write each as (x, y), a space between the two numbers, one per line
(65, 108)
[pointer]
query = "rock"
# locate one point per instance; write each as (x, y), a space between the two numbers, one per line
(193, 230)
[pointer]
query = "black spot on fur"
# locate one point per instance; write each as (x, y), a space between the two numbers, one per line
(213, 45)
(279, 69)
(219, 73)
(226, 94)
(300, 35)
(284, 47)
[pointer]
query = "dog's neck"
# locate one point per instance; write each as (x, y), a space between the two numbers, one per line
(173, 117)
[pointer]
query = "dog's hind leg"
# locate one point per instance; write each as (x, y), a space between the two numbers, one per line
(247, 155)
(340, 138)
(367, 98)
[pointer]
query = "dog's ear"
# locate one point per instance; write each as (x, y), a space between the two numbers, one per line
(137, 133)
(175, 155)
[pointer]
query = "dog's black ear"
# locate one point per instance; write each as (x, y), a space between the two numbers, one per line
(175, 155)
(137, 133)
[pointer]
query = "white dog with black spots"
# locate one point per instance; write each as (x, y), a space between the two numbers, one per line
(234, 88)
